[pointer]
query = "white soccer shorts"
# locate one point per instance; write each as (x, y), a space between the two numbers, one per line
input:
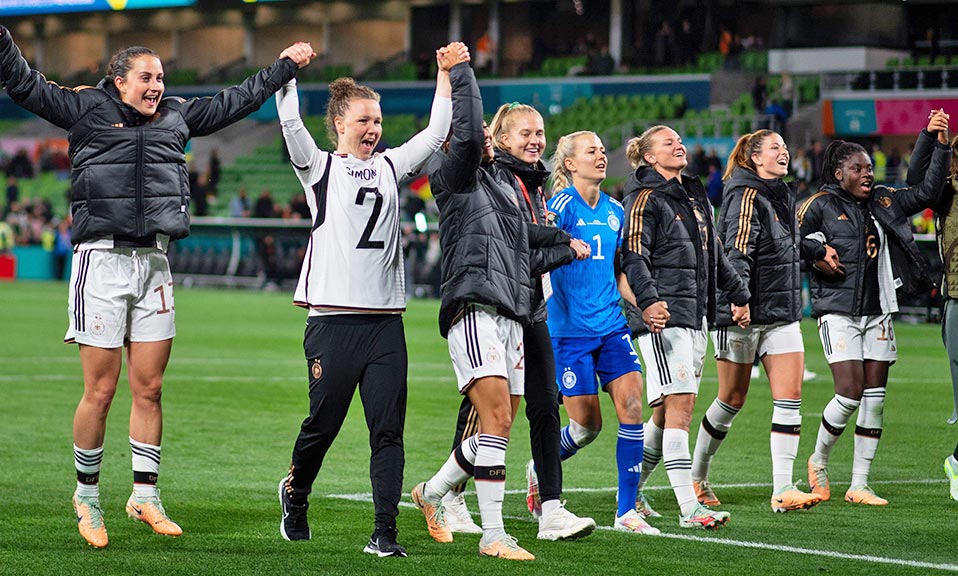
(482, 343)
(673, 361)
(739, 345)
(847, 337)
(120, 295)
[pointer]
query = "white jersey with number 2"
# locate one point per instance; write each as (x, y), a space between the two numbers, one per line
(354, 261)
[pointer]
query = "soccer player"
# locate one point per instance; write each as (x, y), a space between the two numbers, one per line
(855, 294)
(485, 302)
(946, 228)
(759, 230)
(352, 283)
(129, 200)
(590, 336)
(518, 138)
(673, 262)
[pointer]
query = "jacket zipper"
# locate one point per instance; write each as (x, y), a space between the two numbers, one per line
(140, 223)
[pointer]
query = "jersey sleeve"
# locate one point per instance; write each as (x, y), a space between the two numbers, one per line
(307, 159)
(409, 157)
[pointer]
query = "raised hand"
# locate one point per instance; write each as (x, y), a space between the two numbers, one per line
(452, 54)
(300, 53)
(938, 123)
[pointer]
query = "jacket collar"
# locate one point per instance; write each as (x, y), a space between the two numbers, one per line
(532, 176)
(647, 177)
(130, 114)
(774, 188)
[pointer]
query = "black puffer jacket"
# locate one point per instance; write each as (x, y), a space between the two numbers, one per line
(663, 257)
(945, 211)
(834, 217)
(484, 236)
(758, 227)
(129, 175)
(545, 256)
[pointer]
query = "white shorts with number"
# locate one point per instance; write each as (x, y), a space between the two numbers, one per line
(847, 337)
(739, 345)
(673, 361)
(120, 295)
(482, 343)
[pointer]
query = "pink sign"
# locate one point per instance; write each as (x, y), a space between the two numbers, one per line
(910, 116)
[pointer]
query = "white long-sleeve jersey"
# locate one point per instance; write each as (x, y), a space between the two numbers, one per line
(354, 261)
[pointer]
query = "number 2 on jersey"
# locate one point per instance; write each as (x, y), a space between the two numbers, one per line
(364, 240)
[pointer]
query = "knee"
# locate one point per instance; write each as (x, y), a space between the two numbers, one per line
(499, 422)
(100, 397)
(148, 391)
(583, 435)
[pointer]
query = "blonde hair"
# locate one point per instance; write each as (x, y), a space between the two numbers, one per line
(637, 148)
(561, 176)
(504, 118)
(741, 155)
(342, 91)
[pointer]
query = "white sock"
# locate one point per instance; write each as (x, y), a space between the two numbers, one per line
(456, 470)
(490, 477)
(146, 468)
(867, 433)
(87, 464)
(783, 441)
(651, 451)
(678, 465)
(835, 417)
(715, 425)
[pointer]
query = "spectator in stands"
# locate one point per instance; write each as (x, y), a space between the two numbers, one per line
(879, 164)
(816, 157)
(299, 207)
(760, 94)
(213, 172)
(12, 194)
(239, 205)
(799, 166)
(714, 185)
(664, 45)
(8, 238)
(699, 165)
(686, 43)
(20, 165)
(264, 207)
(62, 247)
(600, 63)
(713, 158)
(198, 185)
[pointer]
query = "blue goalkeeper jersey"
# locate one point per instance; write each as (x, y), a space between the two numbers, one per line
(585, 299)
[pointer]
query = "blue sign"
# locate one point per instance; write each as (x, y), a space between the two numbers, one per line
(30, 7)
(854, 117)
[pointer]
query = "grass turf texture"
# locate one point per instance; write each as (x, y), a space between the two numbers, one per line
(235, 394)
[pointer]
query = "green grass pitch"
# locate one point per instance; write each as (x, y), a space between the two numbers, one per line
(235, 394)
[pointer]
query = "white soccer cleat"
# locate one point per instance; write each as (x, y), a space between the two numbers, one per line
(643, 504)
(457, 516)
(633, 521)
(951, 469)
(561, 524)
(533, 500)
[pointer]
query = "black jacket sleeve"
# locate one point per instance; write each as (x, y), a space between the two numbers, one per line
(211, 113)
(636, 257)
(920, 158)
(729, 279)
(927, 192)
(548, 248)
(28, 88)
(457, 168)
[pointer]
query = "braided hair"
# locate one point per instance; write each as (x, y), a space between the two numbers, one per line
(835, 154)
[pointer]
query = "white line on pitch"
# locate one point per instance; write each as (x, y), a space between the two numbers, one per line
(367, 497)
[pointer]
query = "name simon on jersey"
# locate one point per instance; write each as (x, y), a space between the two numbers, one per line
(362, 174)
